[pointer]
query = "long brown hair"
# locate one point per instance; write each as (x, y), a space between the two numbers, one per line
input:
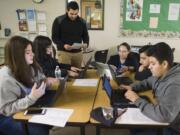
(15, 60)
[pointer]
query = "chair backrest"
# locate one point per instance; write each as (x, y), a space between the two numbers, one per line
(101, 56)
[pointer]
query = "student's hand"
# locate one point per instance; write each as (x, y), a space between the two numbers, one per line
(127, 87)
(131, 95)
(123, 69)
(50, 81)
(113, 67)
(75, 69)
(72, 74)
(141, 68)
(84, 46)
(38, 92)
(67, 47)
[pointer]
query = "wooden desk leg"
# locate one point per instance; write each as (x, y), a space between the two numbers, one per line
(25, 128)
(82, 130)
(98, 130)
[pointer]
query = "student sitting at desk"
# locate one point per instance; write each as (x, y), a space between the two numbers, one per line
(42, 47)
(124, 60)
(18, 88)
(143, 71)
(165, 84)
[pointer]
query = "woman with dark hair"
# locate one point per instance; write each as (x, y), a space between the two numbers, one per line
(44, 54)
(18, 88)
(124, 60)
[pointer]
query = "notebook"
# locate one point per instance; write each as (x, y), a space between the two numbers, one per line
(120, 79)
(50, 96)
(116, 96)
(83, 72)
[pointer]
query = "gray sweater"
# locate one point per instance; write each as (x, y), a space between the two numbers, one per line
(14, 96)
(167, 94)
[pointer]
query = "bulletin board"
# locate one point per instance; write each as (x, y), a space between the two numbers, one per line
(157, 18)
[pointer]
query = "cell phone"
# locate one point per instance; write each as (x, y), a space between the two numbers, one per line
(40, 81)
(38, 111)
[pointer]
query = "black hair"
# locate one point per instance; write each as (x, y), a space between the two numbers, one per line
(40, 44)
(72, 5)
(144, 49)
(162, 52)
(125, 45)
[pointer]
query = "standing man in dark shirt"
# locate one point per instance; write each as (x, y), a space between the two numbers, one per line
(68, 30)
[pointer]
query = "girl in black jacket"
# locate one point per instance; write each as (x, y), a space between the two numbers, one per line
(43, 49)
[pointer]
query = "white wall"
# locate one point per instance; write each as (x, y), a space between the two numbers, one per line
(98, 39)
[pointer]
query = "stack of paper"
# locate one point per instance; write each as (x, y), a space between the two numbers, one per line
(53, 116)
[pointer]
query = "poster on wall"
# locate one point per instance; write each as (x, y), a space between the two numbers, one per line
(23, 25)
(134, 10)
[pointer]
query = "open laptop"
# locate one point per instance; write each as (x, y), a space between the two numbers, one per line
(102, 69)
(50, 96)
(116, 96)
(83, 71)
(120, 79)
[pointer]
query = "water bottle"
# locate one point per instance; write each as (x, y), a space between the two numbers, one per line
(57, 72)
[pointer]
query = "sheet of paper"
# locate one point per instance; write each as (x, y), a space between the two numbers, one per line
(32, 26)
(42, 27)
(85, 82)
(135, 116)
(173, 12)
(30, 14)
(154, 8)
(76, 46)
(41, 16)
(53, 116)
(153, 22)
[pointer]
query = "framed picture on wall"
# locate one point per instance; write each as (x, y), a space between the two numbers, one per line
(93, 12)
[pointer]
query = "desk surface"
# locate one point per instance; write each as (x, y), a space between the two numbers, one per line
(80, 99)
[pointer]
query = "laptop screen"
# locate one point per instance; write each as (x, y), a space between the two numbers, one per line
(107, 86)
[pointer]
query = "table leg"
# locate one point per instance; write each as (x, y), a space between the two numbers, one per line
(98, 130)
(82, 130)
(25, 128)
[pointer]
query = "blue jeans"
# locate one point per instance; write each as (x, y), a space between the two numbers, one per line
(9, 126)
(154, 131)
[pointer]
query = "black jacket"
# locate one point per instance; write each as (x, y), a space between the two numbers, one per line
(49, 64)
(143, 75)
(130, 61)
(66, 31)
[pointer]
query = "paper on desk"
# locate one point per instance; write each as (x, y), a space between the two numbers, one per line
(85, 82)
(53, 116)
(135, 116)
